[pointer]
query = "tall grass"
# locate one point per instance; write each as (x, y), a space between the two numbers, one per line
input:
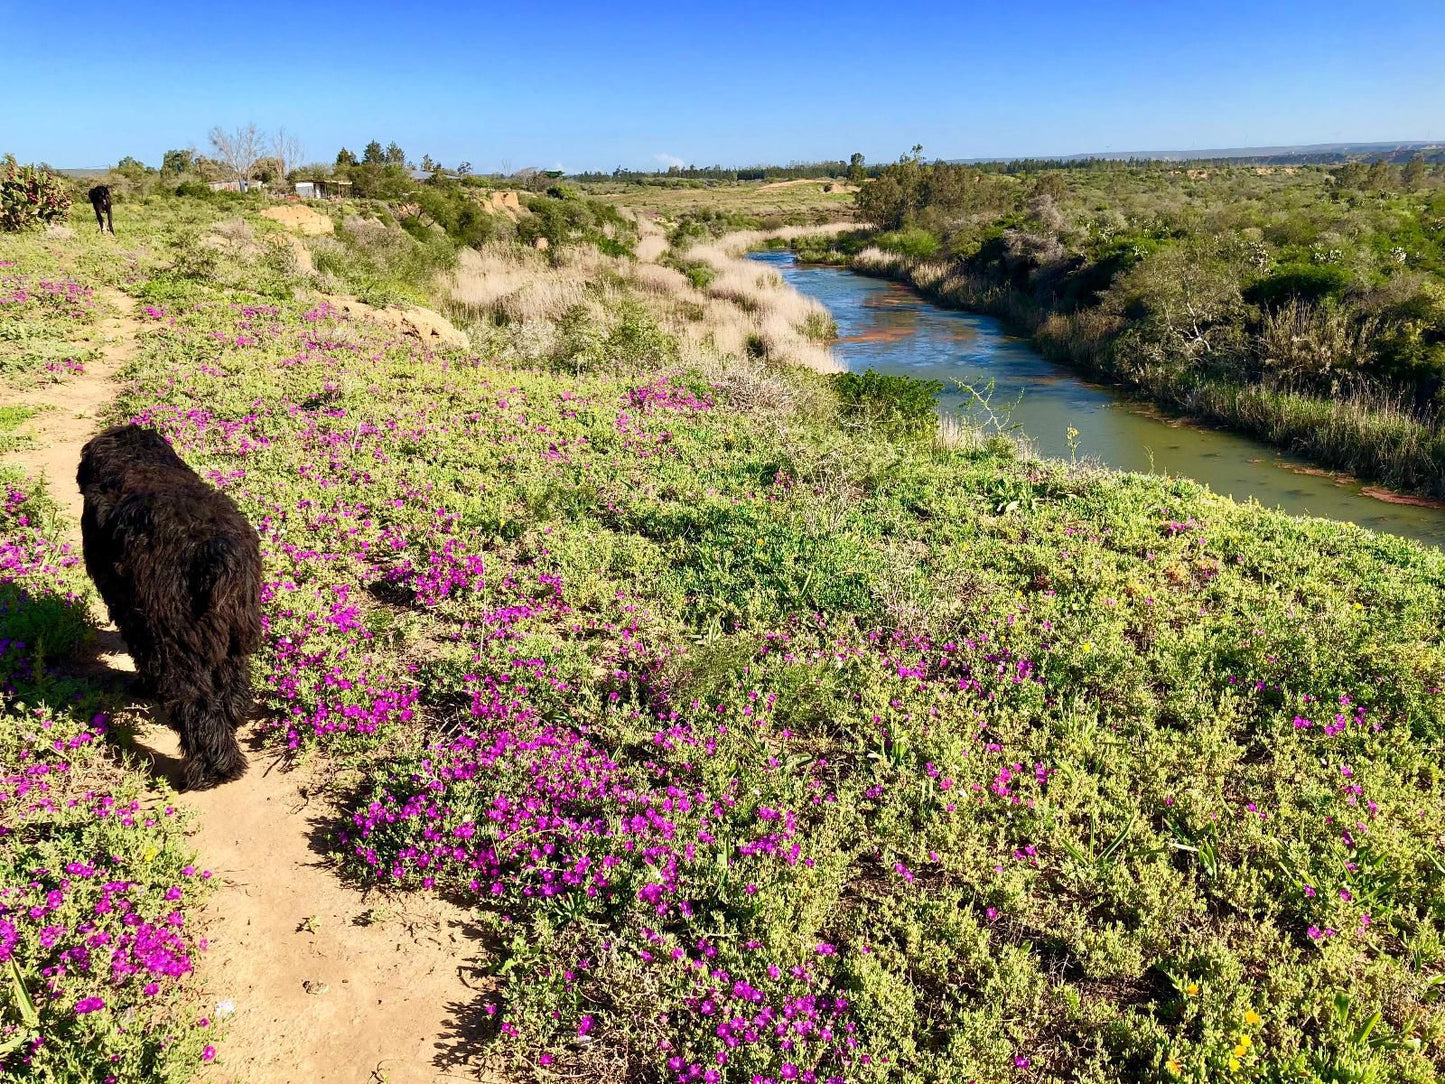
(1368, 436)
(744, 310)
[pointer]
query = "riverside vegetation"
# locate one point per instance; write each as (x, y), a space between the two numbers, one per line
(1302, 305)
(771, 736)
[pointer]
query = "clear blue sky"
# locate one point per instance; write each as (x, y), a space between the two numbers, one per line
(601, 84)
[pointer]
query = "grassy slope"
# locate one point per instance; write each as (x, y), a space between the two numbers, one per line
(753, 201)
(776, 749)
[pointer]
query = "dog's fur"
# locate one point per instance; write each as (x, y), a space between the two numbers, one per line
(179, 569)
(100, 200)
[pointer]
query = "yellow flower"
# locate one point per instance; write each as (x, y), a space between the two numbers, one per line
(1234, 1064)
(1251, 1017)
(149, 853)
(1173, 1066)
(1088, 645)
(1240, 1050)
(1245, 1041)
(1191, 990)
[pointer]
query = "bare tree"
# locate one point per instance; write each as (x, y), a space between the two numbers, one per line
(286, 148)
(238, 150)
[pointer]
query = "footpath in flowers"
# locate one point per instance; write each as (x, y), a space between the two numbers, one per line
(757, 743)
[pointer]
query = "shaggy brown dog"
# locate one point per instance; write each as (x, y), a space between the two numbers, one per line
(179, 569)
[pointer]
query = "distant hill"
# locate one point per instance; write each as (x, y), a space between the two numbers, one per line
(1308, 153)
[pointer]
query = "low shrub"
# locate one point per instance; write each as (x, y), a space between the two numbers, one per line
(900, 406)
(30, 196)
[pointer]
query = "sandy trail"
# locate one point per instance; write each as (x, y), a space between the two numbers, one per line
(328, 984)
(60, 433)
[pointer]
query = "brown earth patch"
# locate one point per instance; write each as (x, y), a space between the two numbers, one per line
(1389, 496)
(302, 219)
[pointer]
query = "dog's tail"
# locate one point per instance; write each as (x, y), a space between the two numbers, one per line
(225, 593)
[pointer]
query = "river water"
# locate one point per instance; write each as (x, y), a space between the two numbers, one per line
(886, 327)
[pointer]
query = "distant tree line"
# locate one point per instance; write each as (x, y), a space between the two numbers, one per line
(853, 168)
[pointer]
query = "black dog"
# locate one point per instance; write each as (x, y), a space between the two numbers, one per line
(179, 569)
(100, 200)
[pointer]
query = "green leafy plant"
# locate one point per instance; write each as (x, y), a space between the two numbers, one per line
(901, 406)
(30, 196)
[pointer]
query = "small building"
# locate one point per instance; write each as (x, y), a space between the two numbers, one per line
(236, 186)
(323, 189)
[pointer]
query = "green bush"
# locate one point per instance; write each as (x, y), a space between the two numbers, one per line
(914, 241)
(577, 221)
(701, 275)
(464, 219)
(30, 197)
(900, 406)
(1308, 282)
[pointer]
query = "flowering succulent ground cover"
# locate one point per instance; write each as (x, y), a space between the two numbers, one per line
(45, 320)
(771, 747)
(97, 884)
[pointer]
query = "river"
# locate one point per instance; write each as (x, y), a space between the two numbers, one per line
(886, 327)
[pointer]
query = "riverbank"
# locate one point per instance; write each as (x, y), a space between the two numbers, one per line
(1370, 439)
(1057, 412)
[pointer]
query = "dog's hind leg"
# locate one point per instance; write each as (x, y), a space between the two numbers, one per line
(233, 689)
(208, 734)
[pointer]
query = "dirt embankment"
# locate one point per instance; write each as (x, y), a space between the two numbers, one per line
(301, 219)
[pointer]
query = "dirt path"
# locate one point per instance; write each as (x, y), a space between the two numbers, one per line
(328, 985)
(59, 433)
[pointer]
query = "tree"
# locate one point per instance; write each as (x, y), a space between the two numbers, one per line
(345, 158)
(464, 169)
(373, 155)
(428, 165)
(1414, 174)
(287, 150)
(395, 155)
(1050, 185)
(178, 161)
(130, 167)
(1351, 175)
(857, 173)
(268, 170)
(238, 150)
(1381, 176)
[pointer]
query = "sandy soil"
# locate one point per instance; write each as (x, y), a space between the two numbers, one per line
(329, 984)
(774, 185)
(302, 219)
(77, 405)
